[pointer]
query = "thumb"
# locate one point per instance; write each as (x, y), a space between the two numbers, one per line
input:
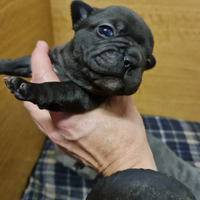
(41, 66)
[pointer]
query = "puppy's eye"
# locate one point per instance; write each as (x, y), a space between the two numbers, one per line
(105, 31)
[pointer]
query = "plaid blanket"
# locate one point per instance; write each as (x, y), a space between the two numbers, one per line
(50, 180)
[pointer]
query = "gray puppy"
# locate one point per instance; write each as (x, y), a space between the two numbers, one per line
(106, 57)
(111, 49)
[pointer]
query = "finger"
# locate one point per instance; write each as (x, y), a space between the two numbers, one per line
(41, 66)
(42, 70)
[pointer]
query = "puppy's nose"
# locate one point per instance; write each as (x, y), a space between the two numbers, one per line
(126, 61)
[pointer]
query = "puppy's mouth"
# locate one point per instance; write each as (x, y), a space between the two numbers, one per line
(112, 63)
(109, 58)
(114, 69)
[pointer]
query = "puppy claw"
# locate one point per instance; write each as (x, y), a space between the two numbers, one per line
(5, 78)
(22, 85)
(22, 89)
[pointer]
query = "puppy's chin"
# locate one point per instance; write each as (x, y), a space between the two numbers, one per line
(115, 87)
(101, 84)
(129, 90)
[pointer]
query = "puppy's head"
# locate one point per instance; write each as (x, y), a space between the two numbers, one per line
(112, 46)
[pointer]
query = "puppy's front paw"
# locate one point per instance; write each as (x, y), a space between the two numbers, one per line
(18, 87)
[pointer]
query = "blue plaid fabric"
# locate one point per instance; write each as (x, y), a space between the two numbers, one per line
(52, 181)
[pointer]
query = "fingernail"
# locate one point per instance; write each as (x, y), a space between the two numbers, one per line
(38, 43)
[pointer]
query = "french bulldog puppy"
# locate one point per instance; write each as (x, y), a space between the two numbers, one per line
(107, 56)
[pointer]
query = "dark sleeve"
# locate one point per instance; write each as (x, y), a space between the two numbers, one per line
(139, 184)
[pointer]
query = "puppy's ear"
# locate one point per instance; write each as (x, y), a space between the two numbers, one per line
(151, 62)
(79, 12)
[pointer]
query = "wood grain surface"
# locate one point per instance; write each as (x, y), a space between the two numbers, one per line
(22, 24)
(172, 88)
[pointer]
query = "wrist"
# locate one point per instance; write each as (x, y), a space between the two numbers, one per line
(129, 154)
(133, 159)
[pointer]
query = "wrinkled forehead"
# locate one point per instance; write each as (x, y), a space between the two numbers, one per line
(117, 15)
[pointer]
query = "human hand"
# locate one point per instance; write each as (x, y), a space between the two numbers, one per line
(108, 139)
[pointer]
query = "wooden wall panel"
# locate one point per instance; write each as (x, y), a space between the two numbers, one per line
(22, 24)
(172, 88)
